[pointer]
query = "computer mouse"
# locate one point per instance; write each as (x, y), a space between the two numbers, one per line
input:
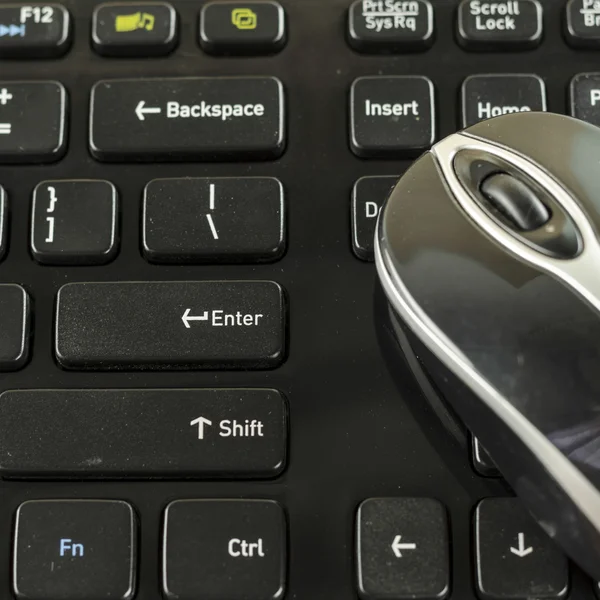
(489, 255)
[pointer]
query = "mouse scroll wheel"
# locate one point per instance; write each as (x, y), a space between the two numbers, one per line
(515, 201)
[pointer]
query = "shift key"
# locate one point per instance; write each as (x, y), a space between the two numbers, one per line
(97, 433)
(209, 118)
(171, 325)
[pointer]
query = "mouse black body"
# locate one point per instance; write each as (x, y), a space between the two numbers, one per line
(488, 251)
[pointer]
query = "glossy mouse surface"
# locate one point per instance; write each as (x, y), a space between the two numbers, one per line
(488, 251)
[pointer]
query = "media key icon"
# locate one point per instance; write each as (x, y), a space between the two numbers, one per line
(134, 22)
(244, 18)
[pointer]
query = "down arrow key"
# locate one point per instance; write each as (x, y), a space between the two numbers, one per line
(521, 551)
(514, 556)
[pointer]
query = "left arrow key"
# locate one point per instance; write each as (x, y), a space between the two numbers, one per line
(34, 30)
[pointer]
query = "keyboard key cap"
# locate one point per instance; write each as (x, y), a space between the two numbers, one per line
(224, 549)
(500, 24)
(487, 96)
(185, 118)
(368, 196)
(179, 433)
(134, 29)
(32, 121)
(34, 30)
(75, 550)
(196, 220)
(514, 557)
(3, 223)
(171, 325)
(374, 26)
(584, 93)
(482, 461)
(402, 549)
(391, 116)
(14, 325)
(74, 222)
(246, 28)
(583, 23)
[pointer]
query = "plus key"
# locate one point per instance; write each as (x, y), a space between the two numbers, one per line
(32, 121)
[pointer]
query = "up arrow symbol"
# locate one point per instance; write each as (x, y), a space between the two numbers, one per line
(201, 422)
(521, 551)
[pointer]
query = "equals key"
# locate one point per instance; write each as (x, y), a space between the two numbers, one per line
(32, 121)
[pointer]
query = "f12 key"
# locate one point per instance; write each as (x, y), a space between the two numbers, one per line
(34, 30)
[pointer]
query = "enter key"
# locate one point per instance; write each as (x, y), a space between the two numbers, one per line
(171, 325)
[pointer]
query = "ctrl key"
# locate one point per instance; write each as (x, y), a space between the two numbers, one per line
(224, 549)
(74, 550)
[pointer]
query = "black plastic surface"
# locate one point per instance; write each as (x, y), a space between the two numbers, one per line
(352, 436)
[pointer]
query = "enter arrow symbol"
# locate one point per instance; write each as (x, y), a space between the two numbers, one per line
(186, 318)
(201, 422)
(141, 111)
(521, 551)
(398, 546)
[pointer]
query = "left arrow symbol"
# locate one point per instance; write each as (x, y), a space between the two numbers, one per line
(141, 111)
(201, 422)
(398, 546)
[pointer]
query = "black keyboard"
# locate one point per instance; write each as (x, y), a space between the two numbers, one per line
(195, 403)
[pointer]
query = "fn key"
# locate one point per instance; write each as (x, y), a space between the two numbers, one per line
(74, 550)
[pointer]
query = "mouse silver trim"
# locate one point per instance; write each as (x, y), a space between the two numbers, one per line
(580, 274)
(574, 484)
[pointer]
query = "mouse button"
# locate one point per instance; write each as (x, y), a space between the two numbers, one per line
(565, 147)
(426, 235)
(448, 265)
(516, 201)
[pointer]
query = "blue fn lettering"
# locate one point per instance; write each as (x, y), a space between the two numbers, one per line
(67, 547)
